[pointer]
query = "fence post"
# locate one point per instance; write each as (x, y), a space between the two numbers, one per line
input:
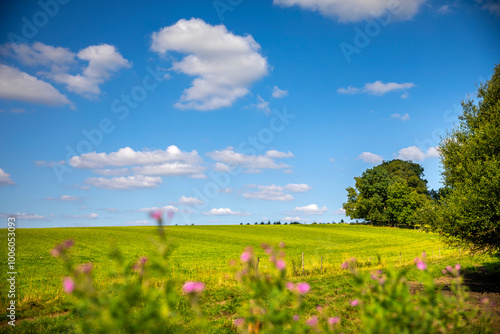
(302, 264)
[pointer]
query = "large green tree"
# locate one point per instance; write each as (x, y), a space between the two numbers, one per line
(388, 194)
(470, 156)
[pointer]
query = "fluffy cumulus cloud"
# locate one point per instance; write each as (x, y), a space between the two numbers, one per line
(377, 88)
(103, 60)
(370, 158)
(20, 86)
(276, 193)
(311, 209)
(253, 163)
(125, 183)
(279, 93)
(38, 54)
(415, 153)
(358, 10)
(5, 178)
(403, 117)
(292, 219)
(225, 212)
(339, 211)
(169, 162)
(224, 64)
(190, 201)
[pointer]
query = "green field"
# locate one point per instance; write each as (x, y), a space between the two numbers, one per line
(203, 252)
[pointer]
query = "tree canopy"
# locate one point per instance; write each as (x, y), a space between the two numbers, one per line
(388, 194)
(469, 214)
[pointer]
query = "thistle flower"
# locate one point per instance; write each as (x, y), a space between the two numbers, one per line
(303, 288)
(68, 285)
(354, 303)
(312, 322)
(333, 321)
(193, 287)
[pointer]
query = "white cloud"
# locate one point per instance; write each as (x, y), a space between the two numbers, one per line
(191, 201)
(253, 163)
(220, 167)
(49, 163)
(370, 157)
(166, 208)
(20, 86)
(444, 9)
(24, 216)
(112, 210)
(403, 117)
(378, 88)
(348, 90)
(311, 209)
(275, 193)
(293, 219)
(65, 198)
(339, 212)
(169, 162)
(279, 93)
(492, 6)
(262, 105)
(57, 58)
(125, 183)
(224, 64)
(416, 154)
(137, 222)
(298, 188)
(226, 191)
(111, 172)
(225, 212)
(5, 178)
(89, 216)
(102, 59)
(358, 10)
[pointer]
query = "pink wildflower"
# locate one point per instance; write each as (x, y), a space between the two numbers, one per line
(312, 322)
(280, 264)
(55, 251)
(68, 285)
(156, 214)
(143, 260)
(296, 317)
(290, 286)
(68, 243)
(245, 256)
(333, 321)
(239, 322)
(85, 268)
(421, 265)
(449, 268)
(345, 265)
(457, 267)
(303, 288)
(354, 303)
(193, 287)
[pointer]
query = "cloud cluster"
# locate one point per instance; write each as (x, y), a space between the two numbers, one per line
(311, 209)
(371, 158)
(224, 64)
(125, 183)
(276, 193)
(403, 117)
(377, 88)
(24, 216)
(279, 93)
(89, 216)
(228, 158)
(20, 86)
(102, 60)
(414, 153)
(5, 178)
(357, 10)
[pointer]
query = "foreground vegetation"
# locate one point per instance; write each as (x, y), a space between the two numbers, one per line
(203, 253)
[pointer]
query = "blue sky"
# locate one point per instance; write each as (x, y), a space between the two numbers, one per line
(225, 112)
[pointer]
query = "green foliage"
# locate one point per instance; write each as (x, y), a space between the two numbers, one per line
(388, 194)
(470, 156)
(387, 305)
